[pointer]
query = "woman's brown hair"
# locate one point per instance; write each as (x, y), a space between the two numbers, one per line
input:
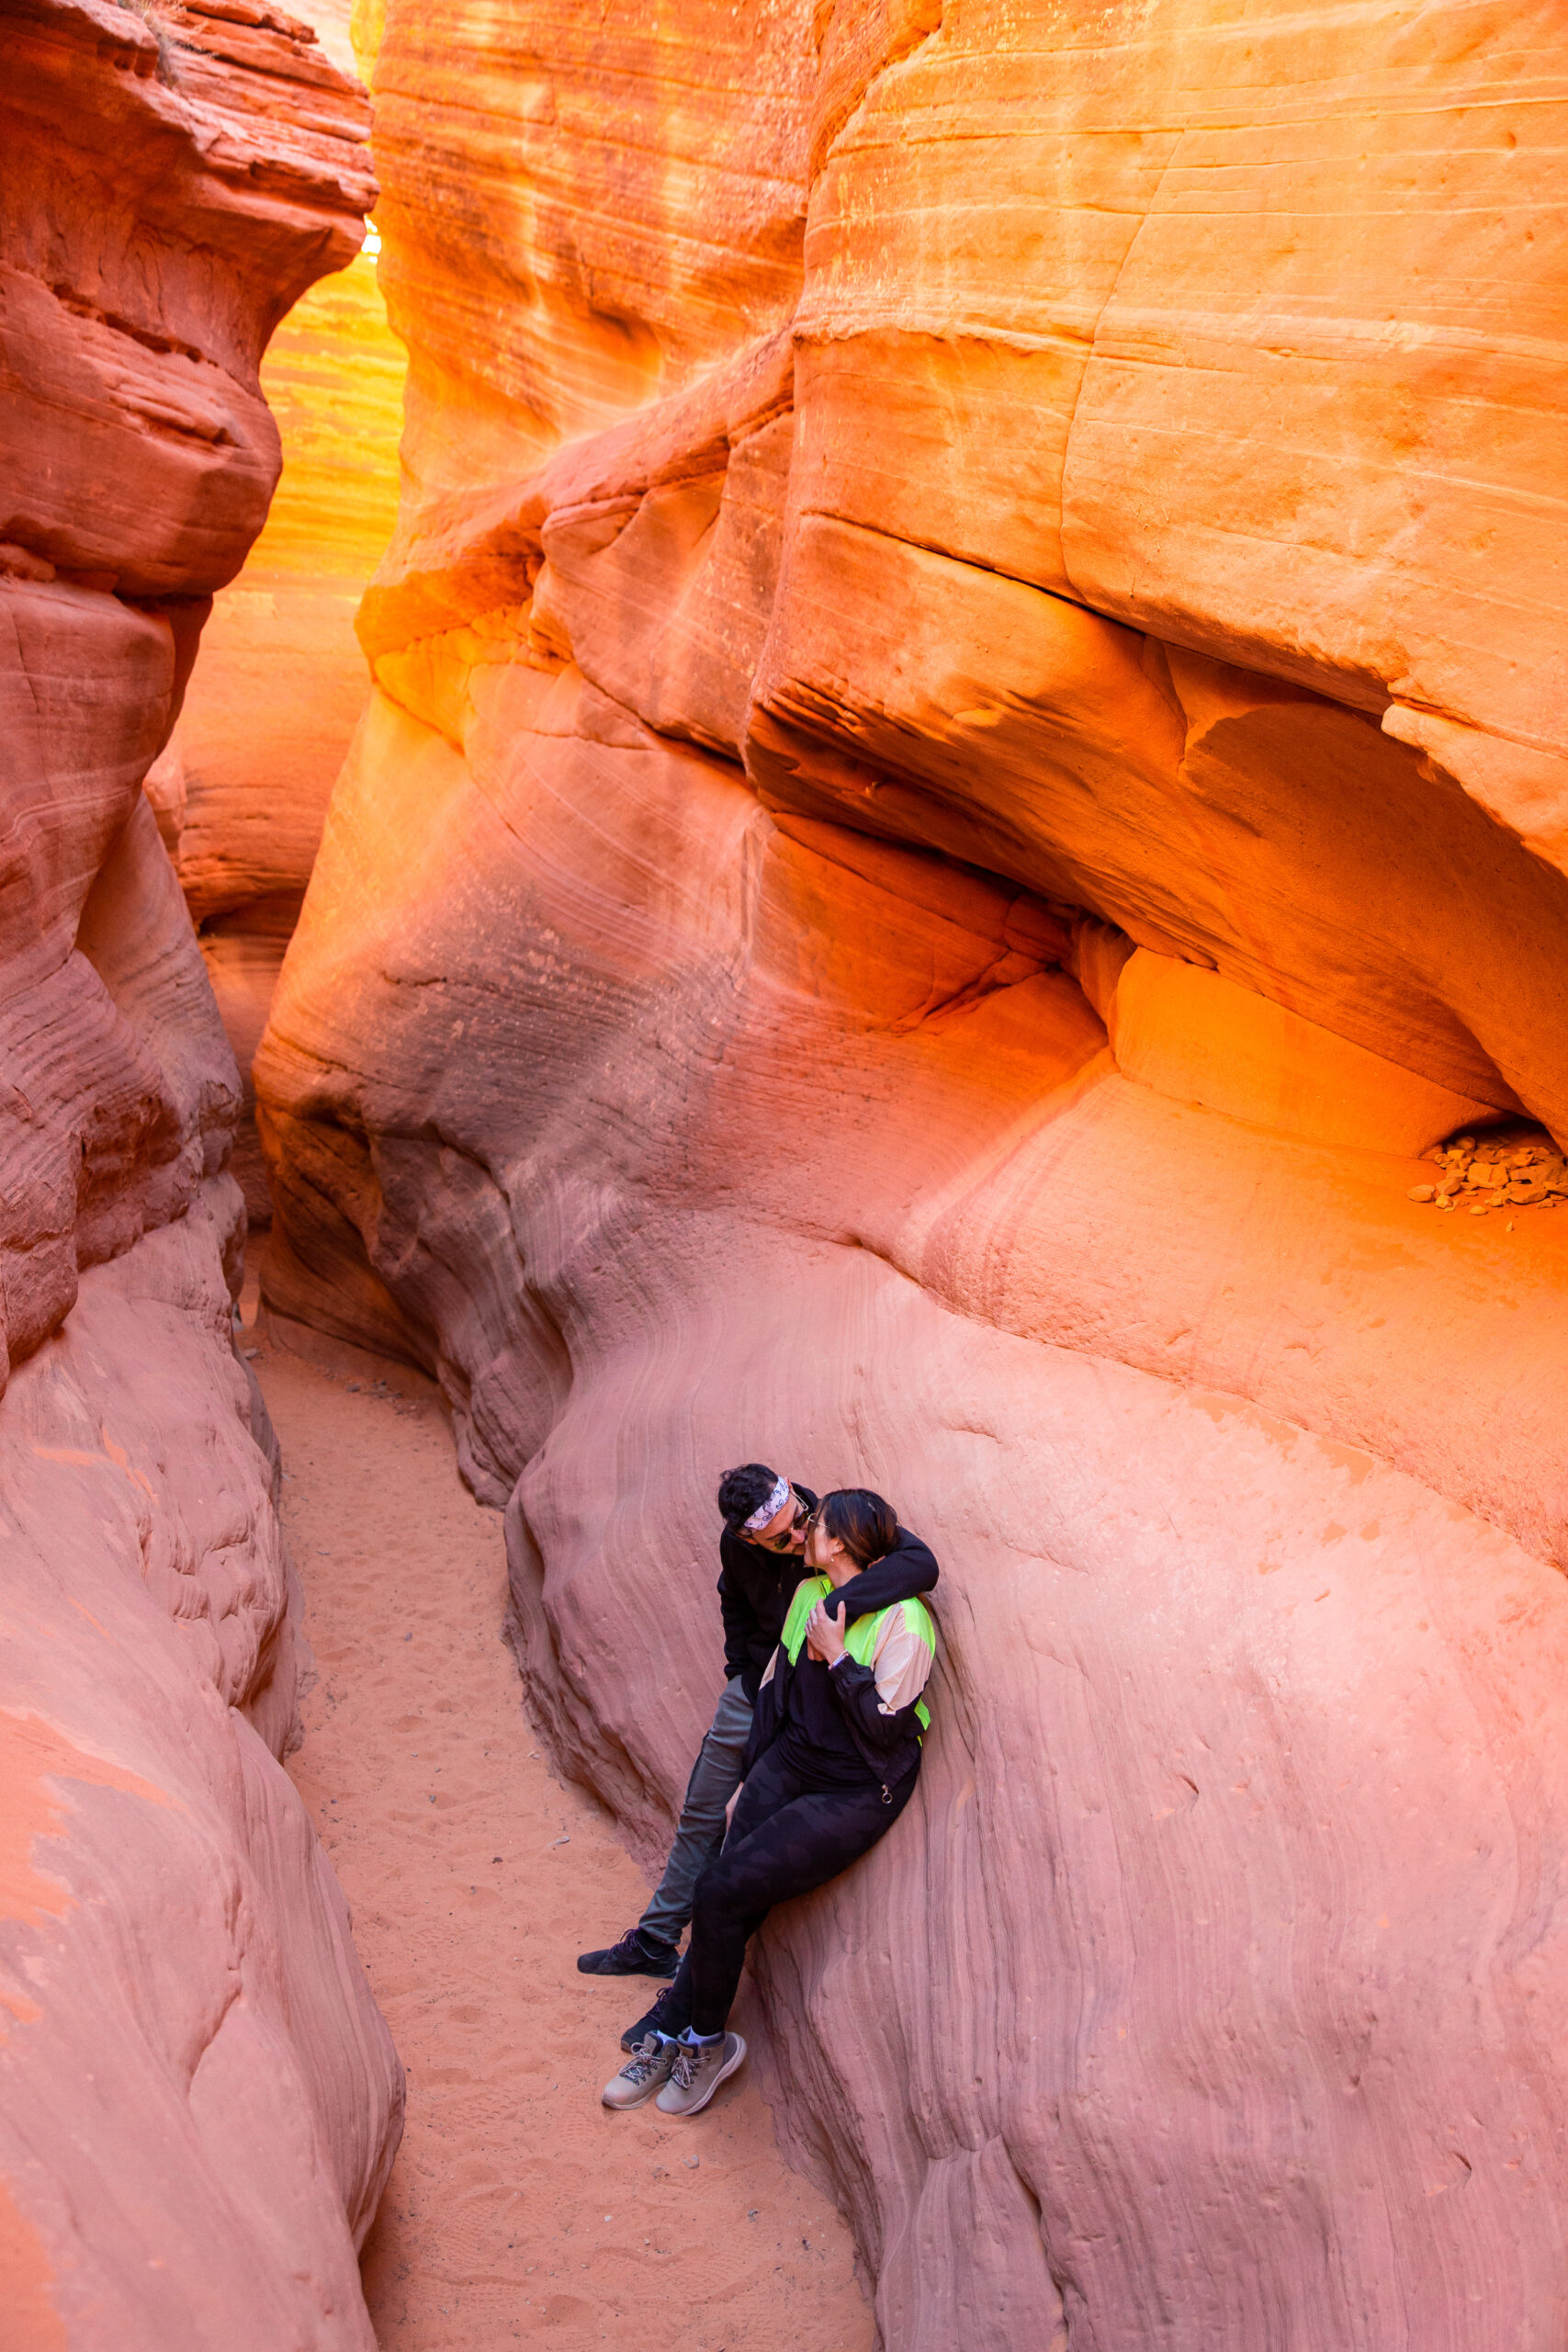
(865, 1525)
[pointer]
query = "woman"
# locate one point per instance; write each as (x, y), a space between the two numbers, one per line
(832, 1760)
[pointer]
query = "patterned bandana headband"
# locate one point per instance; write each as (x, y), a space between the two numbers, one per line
(770, 1510)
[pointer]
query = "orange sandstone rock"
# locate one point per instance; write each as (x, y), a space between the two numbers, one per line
(242, 788)
(200, 2098)
(1199, 1038)
(909, 896)
(654, 1120)
(582, 208)
(146, 176)
(1233, 329)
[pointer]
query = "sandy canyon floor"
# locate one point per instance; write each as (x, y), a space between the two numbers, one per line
(518, 2207)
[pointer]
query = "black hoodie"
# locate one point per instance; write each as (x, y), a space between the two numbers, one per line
(829, 1720)
(756, 1587)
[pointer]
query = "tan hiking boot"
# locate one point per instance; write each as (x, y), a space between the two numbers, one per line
(647, 2067)
(698, 2072)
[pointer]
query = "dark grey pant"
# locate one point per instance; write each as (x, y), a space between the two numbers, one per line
(699, 1834)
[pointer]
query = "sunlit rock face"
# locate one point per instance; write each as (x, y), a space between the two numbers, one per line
(582, 206)
(242, 789)
(908, 905)
(199, 2100)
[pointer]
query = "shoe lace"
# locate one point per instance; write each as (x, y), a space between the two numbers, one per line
(643, 2060)
(688, 2057)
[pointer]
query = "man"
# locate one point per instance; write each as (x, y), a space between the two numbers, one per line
(760, 1554)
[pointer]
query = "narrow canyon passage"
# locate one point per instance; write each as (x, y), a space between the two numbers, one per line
(517, 2204)
(826, 734)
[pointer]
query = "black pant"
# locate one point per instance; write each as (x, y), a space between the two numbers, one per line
(786, 1837)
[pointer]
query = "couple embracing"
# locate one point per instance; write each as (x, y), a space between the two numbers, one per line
(827, 1648)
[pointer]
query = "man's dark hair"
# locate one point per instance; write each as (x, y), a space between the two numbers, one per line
(860, 1522)
(742, 1491)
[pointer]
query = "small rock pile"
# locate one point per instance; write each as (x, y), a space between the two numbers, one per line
(1516, 1169)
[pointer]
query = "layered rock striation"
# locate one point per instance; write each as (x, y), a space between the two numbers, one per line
(926, 861)
(241, 790)
(201, 2100)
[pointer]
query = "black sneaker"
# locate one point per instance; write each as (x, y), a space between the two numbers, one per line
(653, 2022)
(635, 1955)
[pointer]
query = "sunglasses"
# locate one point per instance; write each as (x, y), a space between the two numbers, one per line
(802, 1519)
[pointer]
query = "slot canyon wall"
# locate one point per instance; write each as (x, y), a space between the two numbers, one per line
(198, 2101)
(965, 771)
(241, 788)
